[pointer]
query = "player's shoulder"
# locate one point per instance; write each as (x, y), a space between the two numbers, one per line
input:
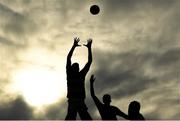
(141, 117)
(82, 73)
(114, 107)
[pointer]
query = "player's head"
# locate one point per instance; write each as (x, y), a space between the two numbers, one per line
(75, 67)
(107, 99)
(134, 107)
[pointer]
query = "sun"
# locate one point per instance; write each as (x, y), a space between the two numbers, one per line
(40, 86)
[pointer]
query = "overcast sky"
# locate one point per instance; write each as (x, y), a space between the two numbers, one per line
(136, 51)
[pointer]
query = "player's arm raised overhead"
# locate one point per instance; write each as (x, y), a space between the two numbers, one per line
(96, 100)
(92, 79)
(88, 64)
(76, 40)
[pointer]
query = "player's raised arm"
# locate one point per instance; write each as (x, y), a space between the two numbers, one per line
(89, 44)
(92, 79)
(88, 64)
(96, 100)
(76, 40)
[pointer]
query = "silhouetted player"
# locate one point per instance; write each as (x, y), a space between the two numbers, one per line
(76, 84)
(133, 111)
(106, 111)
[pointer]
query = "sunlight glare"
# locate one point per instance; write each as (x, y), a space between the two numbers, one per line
(40, 86)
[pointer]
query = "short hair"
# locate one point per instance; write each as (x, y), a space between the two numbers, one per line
(135, 105)
(106, 97)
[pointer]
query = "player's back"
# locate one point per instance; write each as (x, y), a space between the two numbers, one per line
(108, 112)
(136, 117)
(75, 84)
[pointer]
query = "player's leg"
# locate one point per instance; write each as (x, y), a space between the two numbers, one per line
(83, 113)
(72, 111)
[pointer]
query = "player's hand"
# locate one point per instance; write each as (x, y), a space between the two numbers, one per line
(76, 40)
(89, 43)
(92, 79)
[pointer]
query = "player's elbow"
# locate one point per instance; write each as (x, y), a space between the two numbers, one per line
(89, 61)
(68, 57)
(93, 95)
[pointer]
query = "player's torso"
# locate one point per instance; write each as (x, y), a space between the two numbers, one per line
(76, 86)
(108, 113)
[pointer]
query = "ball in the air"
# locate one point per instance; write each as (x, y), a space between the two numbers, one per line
(94, 9)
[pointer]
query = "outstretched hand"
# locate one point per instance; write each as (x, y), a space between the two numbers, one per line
(76, 40)
(89, 43)
(92, 79)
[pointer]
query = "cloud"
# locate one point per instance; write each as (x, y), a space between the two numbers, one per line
(127, 75)
(10, 43)
(15, 24)
(169, 58)
(56, 111)
(131, 7)
(128, 4)
(15, 110)
(135, 47)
